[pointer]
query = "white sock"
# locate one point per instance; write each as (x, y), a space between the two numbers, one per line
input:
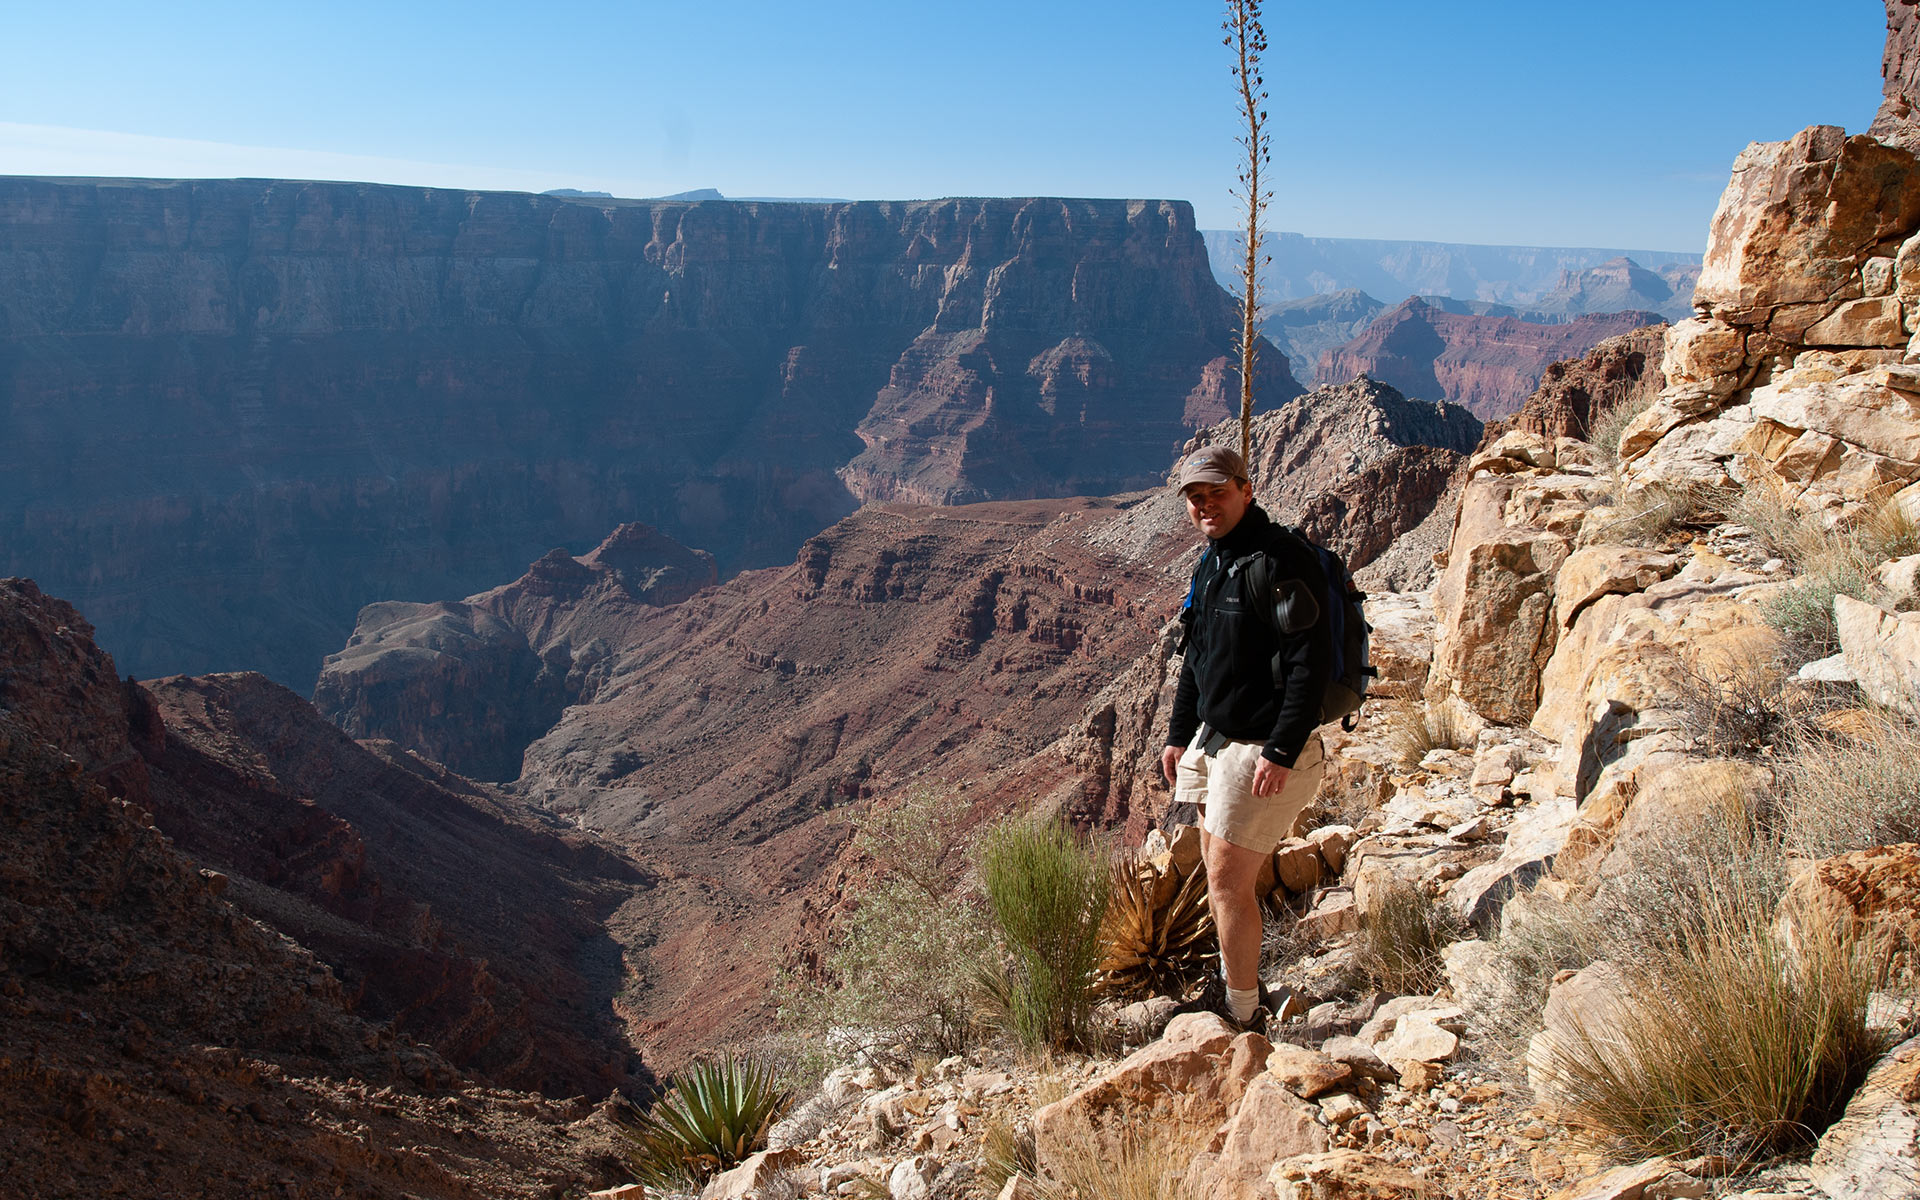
(1242, 1001)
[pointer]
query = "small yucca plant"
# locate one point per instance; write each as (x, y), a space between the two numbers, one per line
(1157, 935)
(717, 1114)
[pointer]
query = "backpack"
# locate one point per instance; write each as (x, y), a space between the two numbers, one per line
(1343, 605)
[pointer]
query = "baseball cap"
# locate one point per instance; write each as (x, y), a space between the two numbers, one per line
(1211, 464)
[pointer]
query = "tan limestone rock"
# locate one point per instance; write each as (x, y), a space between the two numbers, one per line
(1595, 571)
(1874, 1149)
(1493, 607)
(1872, 893)
(1704, 349)
(1882, 651)
(1678, 798)
(1585, 1007)
(1333, 842)
(1307, 1073)
(1798, 215)
(1875, 418)
(1345, 1175)
(1191, 1076)
(1333, 913)
(1270, 1124)
(1401, 645)
(1874, 322)
(1898, 582)
(1630, 1182)
(756, 1172)
(1297, 865)
(1417, 1039)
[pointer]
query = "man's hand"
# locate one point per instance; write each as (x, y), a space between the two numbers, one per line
(1170, 761)
(1269, 777)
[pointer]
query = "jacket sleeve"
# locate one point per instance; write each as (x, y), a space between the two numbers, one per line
(1186, 707)
(1305, 662)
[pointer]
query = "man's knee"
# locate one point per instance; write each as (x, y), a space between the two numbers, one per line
(1231, 870)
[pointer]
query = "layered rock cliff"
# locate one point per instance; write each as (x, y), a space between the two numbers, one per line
(236, 411)
(1489, 364)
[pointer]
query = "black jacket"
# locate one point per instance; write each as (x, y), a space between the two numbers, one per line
(1229, 677)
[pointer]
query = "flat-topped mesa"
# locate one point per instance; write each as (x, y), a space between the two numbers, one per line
(289, 399)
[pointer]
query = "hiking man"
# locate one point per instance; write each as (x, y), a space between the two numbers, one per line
(1242, 744)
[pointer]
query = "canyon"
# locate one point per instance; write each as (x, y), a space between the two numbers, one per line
(237, 411)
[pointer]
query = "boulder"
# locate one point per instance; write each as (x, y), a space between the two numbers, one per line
(1584, 1007)
(1679, 798)
(1882, 651)
(1872, 893)
(1874, 322)
(1401, 645)
(1630, 1182)
(755, 1173)
(1297, 865)
(1898, 583)
(1874, 1148)
(1879, 419)
(1702, 350)
(1193, 1075)
(1333, 842)
(1493, 605)
(1595, 571)
(1333, 912)
(1306, 1073)
(1416, 1039)
(1270, 1124)
(1533, 841)
(1357, 1055)
(1798, 215)
(912, 1178)
(1345, 1175)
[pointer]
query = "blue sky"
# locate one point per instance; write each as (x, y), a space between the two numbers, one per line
(1498, 122)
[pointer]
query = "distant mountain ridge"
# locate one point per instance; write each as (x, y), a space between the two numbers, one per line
(1391, 271)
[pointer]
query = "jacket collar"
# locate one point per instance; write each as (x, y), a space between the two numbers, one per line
(1246, 533)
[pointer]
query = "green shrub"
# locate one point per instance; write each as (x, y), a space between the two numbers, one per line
(1048, 889)
(898, 978)
(716, 1114)
(1803, 611)
(1400, 941)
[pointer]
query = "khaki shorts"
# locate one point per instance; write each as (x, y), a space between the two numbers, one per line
(1222, 785)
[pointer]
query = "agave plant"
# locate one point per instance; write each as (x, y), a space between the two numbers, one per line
(717, 1114)
(1158, 933)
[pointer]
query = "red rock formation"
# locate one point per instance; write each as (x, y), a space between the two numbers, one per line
(155, 1040)
(1489, 365)
(390, 869)
(244, 409)
(1621, 372)
(1895, 123)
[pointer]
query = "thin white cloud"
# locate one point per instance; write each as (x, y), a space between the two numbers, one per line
(55, 150)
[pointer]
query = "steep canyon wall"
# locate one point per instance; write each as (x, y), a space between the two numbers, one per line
(232, 412)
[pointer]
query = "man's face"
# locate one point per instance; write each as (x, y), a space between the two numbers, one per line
(1217, 507)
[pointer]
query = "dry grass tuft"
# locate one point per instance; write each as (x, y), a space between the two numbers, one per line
(1400, 941)
(1412, 730)
(1144, 1158)
(1611, 426)
(1005, 1151)
(1651, 514)
(1727, 1042)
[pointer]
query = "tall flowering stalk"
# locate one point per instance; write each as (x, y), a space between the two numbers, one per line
(1248, 41)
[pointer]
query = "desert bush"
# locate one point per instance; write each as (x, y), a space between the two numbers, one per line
(1726, 1041)
(716, 1113)
(1803, 611)
(1644, 906)
(1398, 949)
(1048, 889)
(1412, 730)
(898, 978)
(1738, 705)
(1843, 793)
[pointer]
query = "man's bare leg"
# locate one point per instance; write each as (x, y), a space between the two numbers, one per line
(1232, 872)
